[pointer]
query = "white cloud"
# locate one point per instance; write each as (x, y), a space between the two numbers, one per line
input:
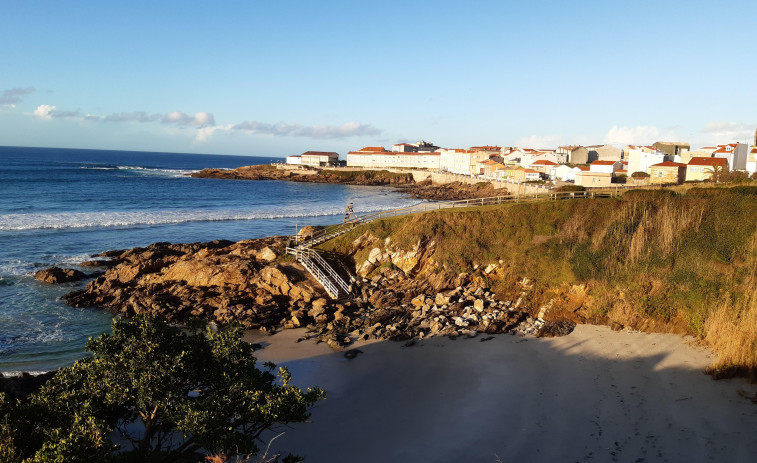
(204, 133)
(43, 111)
(205, 124)
(639, 135)
(540, 141)
(727, 132)
(350, 129)
(181, 119)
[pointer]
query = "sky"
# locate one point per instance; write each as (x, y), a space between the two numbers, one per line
(279, 78)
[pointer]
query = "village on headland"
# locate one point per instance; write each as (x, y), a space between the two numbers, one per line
(595, 166)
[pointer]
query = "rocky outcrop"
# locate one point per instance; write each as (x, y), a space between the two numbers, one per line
(55, 275)
(453, 191)
(349, 177)
(246, 282)
(400, 293)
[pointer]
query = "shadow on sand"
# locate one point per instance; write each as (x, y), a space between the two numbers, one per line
(595, 395)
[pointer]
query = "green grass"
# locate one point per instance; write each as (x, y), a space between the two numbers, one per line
(664, 257)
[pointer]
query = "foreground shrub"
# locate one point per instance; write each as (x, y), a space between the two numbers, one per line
(571, 188)
(152, 392)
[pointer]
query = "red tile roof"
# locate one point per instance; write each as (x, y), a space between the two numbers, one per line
(543, 162)
(708, 162)
(373, 149)
(584, 168)
(670, 164)
(603, 163)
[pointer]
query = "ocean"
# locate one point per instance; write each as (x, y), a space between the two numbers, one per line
(60, 206)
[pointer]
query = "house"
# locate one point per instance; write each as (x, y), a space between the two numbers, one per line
(531, 175)
(543, 165)
(294, 160)
(562, 172)
(575, 154)
(603, 153)
(700, 153)
(736, 153)
(646, 149)
(672, 148)
(667, 172)
(514, 173)
(320, 158)
(701, 168)
(490, 166)
(590, 179)
(640, 161)
(608, 167)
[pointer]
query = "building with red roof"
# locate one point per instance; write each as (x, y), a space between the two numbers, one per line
(700, 168)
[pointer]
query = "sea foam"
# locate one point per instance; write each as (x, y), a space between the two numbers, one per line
(69, 220)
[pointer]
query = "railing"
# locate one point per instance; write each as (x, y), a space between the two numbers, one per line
(305, 253)
(328, 285)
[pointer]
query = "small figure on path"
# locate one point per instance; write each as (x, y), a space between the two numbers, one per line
(349, 215)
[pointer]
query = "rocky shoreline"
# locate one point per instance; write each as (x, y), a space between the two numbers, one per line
(401, 181)
(253, 282)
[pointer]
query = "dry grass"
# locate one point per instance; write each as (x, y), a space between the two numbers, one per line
(731, 326)
(654, 261)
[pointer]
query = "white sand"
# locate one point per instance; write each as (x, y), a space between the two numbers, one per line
(595, 395)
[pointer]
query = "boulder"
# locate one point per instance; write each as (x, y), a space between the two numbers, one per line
(59, 275)
(266, 254)
(375, 256)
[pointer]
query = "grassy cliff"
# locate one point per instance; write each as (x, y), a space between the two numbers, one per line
(652, 260)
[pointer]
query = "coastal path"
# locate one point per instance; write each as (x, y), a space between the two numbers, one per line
(338, 287)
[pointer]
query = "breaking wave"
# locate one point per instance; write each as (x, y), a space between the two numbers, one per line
(145, 170)
(69, 220)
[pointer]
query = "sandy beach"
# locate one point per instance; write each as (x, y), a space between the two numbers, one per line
(594, 395)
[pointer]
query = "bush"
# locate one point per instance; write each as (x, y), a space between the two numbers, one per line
(640, 174)
(571, 188)
(152, 392)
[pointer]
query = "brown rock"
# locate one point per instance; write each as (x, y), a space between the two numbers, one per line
(59, 275)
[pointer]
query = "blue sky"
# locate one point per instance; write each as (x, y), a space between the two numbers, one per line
(279, 78)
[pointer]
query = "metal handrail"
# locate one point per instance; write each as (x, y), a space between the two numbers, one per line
(320, 276)
(336, 277)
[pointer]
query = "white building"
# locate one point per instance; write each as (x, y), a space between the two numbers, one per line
(295, 160)
(375, 157)
(607, 167)
(641, 161)
(457, 161)
(320, 158)
(562, 172)
(735, 153)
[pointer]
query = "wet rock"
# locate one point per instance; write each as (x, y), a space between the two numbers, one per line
(59, 275)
